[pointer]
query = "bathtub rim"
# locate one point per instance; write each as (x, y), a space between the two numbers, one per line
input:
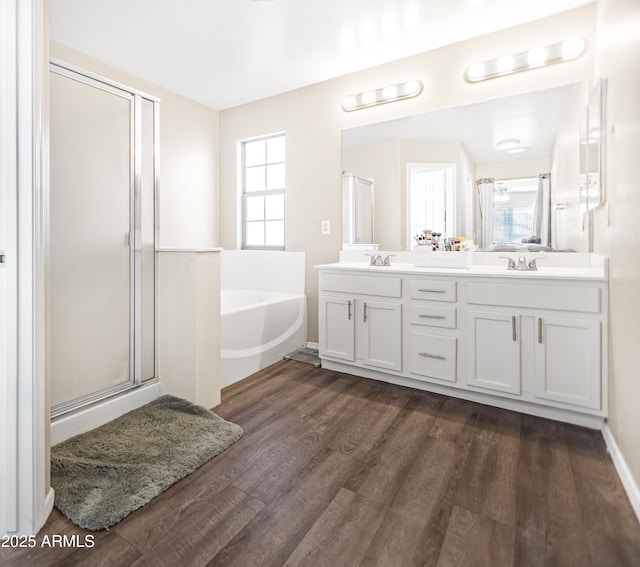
(271, 298)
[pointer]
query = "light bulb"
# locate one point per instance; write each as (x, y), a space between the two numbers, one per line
(349, 102)
(390, 92)
(412, 87)
(572, 47)
(537, 56)
(475, 71)
(505, 63)
(368, 97)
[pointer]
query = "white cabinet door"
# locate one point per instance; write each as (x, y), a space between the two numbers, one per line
(382, 334)
(567, 361)
(493, 351)
(337, 327)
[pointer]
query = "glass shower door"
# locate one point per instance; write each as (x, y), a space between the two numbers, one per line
(102, 240)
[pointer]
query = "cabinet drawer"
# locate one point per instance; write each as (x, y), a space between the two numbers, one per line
(566, 298)
(425, 314)
(434, 290)
(362, 285)
(433, 356)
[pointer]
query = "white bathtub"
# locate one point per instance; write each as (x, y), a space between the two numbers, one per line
(257, 329)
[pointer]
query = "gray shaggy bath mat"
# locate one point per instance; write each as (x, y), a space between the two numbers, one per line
(103, 475)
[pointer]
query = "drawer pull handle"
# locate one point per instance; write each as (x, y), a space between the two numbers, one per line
(427, 355)
(349, 310)
(513, 328)
(364, 316)
(432, 290)
(432, 316)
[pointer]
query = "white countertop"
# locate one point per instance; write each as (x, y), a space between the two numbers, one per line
(585, 267)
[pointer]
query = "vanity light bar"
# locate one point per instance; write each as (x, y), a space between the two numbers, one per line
(571, 48)
(381, 96)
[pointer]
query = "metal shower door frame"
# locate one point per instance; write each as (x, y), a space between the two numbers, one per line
(135, 98)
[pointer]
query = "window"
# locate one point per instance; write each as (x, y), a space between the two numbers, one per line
(513, 209)
(263, 185)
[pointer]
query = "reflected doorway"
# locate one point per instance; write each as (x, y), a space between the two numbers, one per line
(431, 199)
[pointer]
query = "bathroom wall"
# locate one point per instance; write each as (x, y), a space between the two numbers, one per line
(312, 119)
(188, 191)
(617, 230)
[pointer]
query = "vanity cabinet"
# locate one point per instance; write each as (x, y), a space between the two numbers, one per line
(568, 360)
(526, 342)
(381, 331)
(337, 327)
(432, 329)
(493, 353)
(542, 340)
(363, 328)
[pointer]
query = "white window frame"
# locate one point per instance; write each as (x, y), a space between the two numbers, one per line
(266, 192)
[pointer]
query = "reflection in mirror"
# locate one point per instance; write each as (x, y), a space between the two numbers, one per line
(583, 130)
(505, 140)
(591, 144)
(514, 211)
(357, 212)
(431, 198)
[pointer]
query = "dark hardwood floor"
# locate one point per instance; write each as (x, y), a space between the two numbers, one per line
(343, 471)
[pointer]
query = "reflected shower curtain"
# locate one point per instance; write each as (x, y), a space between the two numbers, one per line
(540, 211)
(484, 228)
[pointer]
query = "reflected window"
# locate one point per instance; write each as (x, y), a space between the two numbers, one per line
(263, 188)
(514, 203)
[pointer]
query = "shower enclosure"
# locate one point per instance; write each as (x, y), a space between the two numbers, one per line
(357, 209)
(103, 232)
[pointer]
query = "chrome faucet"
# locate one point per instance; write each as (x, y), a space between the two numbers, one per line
(376, 260)
(522, 265)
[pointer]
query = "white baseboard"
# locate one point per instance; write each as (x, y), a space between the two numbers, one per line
(629, 483)
(48, 505)
(313, 345)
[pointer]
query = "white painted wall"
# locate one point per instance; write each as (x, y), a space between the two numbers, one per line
(513, 169)
(188, 191)
(313, 121)
(189, 325)
(617, 60)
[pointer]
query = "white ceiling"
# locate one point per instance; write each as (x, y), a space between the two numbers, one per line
(224, 53)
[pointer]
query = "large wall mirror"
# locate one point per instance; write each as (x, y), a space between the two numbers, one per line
(484, 171)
